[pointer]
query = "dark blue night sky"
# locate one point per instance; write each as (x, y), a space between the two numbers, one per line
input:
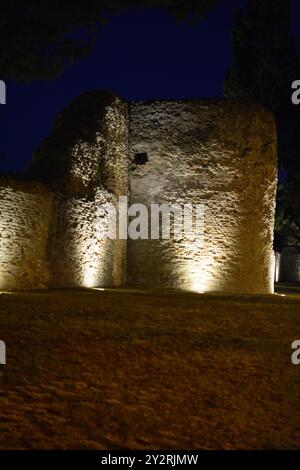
(140, 55)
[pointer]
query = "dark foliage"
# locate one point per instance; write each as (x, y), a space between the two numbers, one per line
(265, 65)
(40, 39)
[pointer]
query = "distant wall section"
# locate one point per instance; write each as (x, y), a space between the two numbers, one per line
(26, 211)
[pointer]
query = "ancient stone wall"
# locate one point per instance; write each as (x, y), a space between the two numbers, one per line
(87, 149)
(85, 161)
(81, 255)
(25, 216)
(220, 154)
(289, 265)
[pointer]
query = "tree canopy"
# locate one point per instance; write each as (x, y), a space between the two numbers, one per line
(265, 64)
(40, 39)
(265, 54)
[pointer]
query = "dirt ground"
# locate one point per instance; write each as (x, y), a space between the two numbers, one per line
(120, 369)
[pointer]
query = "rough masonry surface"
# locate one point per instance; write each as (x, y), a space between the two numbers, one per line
(221, 154)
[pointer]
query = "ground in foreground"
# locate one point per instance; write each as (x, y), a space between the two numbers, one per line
(145, 370)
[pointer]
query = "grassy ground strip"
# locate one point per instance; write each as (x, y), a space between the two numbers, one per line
(120, 369)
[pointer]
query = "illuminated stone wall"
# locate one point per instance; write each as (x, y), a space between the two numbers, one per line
(80, 254)
(85, 162)
(25, 216)
(217, 153)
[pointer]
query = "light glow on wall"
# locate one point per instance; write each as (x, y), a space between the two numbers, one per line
(88, 253)
(277, 266)
(272, 272)
(95, 256)
(11, 225)
(200, 274)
